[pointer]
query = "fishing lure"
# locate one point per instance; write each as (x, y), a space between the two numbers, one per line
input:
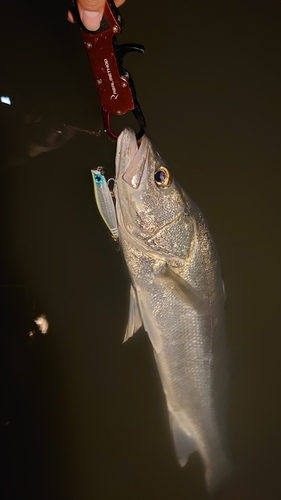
(104, 201)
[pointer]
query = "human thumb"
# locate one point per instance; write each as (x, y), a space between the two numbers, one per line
(91, 12)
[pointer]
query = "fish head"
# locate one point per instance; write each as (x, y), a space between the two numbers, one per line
(151, 206)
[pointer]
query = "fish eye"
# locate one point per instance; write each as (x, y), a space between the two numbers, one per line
(162, 177)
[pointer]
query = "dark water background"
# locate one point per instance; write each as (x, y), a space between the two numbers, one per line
(83, 416)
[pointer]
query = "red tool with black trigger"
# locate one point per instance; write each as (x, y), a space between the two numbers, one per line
(114, 83)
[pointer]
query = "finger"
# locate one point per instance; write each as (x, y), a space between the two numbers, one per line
(96, 5)
(118, 3)
(91, 12)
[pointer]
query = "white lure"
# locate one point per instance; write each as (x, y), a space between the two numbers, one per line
(104, 201)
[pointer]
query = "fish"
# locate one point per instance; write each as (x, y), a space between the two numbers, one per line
(177, 295)
(104, 201)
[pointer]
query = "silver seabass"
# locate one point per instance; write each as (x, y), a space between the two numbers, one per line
(177, 295)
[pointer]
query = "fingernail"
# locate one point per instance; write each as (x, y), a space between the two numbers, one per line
(91, 19)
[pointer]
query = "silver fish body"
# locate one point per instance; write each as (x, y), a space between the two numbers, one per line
(177, 294)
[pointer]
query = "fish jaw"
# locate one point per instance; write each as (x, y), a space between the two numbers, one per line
(131, 158)
(127, 148)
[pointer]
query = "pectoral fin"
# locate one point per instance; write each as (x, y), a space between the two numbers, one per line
(191, 296)
(138, 316)
(134, 321)
(184, 443)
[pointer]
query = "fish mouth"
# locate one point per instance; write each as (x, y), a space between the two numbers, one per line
(131, 158)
